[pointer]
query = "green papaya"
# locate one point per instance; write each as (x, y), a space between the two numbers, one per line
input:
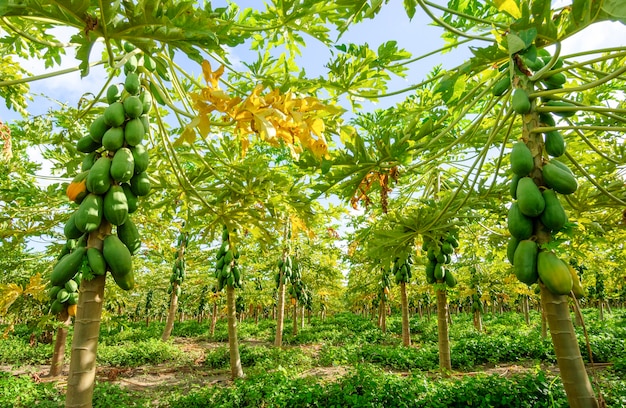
(558, 179)
(510, 249)
(555, 81)
(554, 143)
(70, 230)
(553, 216)
(554, 273)
(146, 102)
(96, 261)
(99, 177)
(114, 115)
(525, 261)
(430, 272)
(115, 205)
(520, 101)
(113, 94)
(89, 214)
(501, 86)
(67, 267)
(125, 282)
(88, 161)
(97, 129)
(133, 107)
(145, 121)
(73, 298)
(521, 159)
(513, 186)
(561, 165)
(71, 286)
(439, 272)
(134, 132)
(132, 84)
(131, 64)
(122, 165)
(563, 109)
(129, 235)
(577, 287)
(519, 225)
(546, 119)
(117, 256)
(529, 198)
(53, 291)
(87, 145)
(131, 199)
(56, 307)
(450, 279)
(113, 139)
(140, 184)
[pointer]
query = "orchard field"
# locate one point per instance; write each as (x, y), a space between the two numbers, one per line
(313, 204)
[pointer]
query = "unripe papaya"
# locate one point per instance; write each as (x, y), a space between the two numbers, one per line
(133, 107)
(513, 186)
(125, 282)
(129, 235)
(96, 261)
(565, 113)
(115, 206)
(53, 291)
(510, 249)
(146, 102)
(529, 198)
(114, 115)
(71, 286)
(520, 102)
(439, 272)
(131, 199)
(134, 132)
(450, 279)
(558, 179)
(140, 184)
(66, 268)
(553, 216)
(70, 230)
(117, 256)
(577, 286)
(99, 177)
(519, 225)
(500, 87)
(87, 145)
(554, 273)
(141, 158)
(525, 262)
(97, 129)
(113, 139)
(113, 94)
(122, 165)
(521, 159)
(89, 160)
(546, 119)
(56, 307)
(430, 272)
(132, 83)
(554, 143)
(89, 214)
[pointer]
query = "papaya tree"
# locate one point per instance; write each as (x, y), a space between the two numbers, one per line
(176, 280)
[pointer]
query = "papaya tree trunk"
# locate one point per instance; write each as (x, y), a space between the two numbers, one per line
(445, 363)
(526, 311)
(294, 313)
(575, 380)
(302, 317)
(544, 323)
(171, 315)
(383, 316)
(236, 371)
(478, 320)
(58, 356)
(406, 329)
(280, 313)
(214, 317)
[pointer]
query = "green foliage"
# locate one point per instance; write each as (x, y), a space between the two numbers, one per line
(136, 353)
(17, 351)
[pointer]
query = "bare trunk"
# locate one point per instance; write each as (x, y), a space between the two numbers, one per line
(478, 320)
(572, 369)
(445, 363)
(526, 311)
(171, 315)
(278, 342)
(302, 317)
(406, 329)
(601, 310)
(383, 316)
(235, 361)
(58, 357)
(294, 312)
(214, 318)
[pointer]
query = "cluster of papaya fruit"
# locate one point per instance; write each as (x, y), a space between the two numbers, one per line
(439, 253)
(385, 284)
(64, 294)
(178, 270)
(299, 293)
(113, 176)
(227, 271)
(288, 271)
(402, 269)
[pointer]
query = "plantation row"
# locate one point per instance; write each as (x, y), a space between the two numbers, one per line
(344, 360)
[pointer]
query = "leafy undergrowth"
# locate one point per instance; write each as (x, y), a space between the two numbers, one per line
(344, 360)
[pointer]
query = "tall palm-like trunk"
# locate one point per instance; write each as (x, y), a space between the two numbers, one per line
(82, 374)
(478, 320)
(294, 312)
(383, 316)
(406, 329)
(58, 356)
(445, 363)
(577, 386)
(214, 317)
(526, 311)
(280, 313)
(236, 371)
(171, 315)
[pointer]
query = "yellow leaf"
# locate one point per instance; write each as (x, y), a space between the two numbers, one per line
(317, 126)
(189, 134)
(263, 127)
(8, 295)
(212, 77)
(509, 6)
(36, 288)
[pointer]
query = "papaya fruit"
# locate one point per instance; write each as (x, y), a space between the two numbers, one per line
(99, 177)
(70, 230)
(141, 158)
(113, 139)
(519, 225)
(565, 113)
(63, 295)
(133, 107)
(71, 286)
(72, 300)
(113, 94)
(146, 102)
(97, 129)
(96, 261)
(125, 282)
(129, 235)
(89, 160)
(555, 81)
(561, 165)
(510, 249)
(554, 273)
(140, 184)
(115, 205)
(145, 121)
(77, 189)
(521, 159)
(89, 214)
(53, 291)
(56, 307)
(513, 186)
(128, 46)
(501, 86)
(155, 93)
(577, 286)
(132, 84)
(67, 267)
(134, 132)
(553, 216)
(131, 199)
(554, 143)
(122, 165)
(117, 256)
(525, 261)
(87, 145)
(131, 64)
(558, 179)
(114, 115)
(439, 272)
(520, 101)
(546, 119)
(529, 198)
(450, 279)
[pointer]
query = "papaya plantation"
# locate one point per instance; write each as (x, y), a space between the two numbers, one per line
(313, 204)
